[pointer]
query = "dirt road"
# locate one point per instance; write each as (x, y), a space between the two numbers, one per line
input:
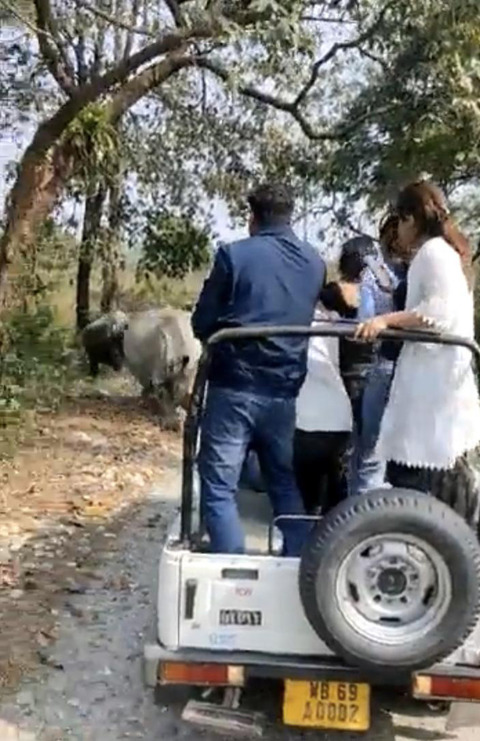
(90, 687)
(77, 601)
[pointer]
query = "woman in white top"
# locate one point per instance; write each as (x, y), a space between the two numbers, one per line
(431, 426)
(324, 423)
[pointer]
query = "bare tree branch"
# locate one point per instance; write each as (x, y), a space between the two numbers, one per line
(241, 15)
(174, 8)
(48, 38)
(115, 21)
(98, 48)
(50, 130)
(129, 40)
(335, 133)
(118, 32)
(279, 103)
(147, 80)
(374, 58)
(341, 46)
(54, 54)
(10, 8)
(79, 48)
(325, 19)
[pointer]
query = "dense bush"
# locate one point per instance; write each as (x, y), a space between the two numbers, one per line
(35, 361)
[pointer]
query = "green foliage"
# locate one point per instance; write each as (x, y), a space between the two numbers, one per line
(173, 246)
(95, 145)
(56, 249)
(35, 362)
(420, 103)
(43, 266)
(154, 292)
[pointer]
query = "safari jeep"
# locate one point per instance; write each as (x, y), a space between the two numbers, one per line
(387, 591)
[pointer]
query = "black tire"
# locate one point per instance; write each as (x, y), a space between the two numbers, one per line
(405, 513)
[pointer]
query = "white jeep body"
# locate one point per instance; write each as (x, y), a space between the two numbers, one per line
(220, 603)
(239, 603)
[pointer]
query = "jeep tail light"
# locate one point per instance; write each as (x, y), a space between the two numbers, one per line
(446, 688)
(201, 674)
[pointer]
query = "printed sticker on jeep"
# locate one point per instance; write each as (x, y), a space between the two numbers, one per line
(250, 618)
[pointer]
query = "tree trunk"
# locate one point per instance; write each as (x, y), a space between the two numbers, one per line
(110, 245)
(40, 181)
(109, 287)
(110, 254)
(91, 226)
(47, 165)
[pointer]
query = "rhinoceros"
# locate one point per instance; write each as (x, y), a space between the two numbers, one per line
(157, 346)
(103, 341)
(162, 353)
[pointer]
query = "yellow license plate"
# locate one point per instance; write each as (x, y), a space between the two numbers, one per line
(342, 706)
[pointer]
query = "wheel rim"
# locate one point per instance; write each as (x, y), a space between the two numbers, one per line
(391, 589)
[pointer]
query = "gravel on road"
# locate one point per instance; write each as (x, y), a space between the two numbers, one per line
(90, 687)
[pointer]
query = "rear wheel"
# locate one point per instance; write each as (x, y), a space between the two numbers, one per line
(391, 580)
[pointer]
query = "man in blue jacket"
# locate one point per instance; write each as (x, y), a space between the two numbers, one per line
(270, 278)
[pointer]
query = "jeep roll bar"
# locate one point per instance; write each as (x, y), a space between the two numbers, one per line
(345, 329)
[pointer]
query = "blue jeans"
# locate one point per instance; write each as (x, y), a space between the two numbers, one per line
(251, 476)
(232, 421)
(370, 472)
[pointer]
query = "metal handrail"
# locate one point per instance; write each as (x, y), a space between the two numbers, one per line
(344, 329)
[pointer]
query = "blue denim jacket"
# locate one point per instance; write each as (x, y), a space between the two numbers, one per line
(271, 278)
(376, 299)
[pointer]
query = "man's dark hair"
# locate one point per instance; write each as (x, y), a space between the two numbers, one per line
(272, 203)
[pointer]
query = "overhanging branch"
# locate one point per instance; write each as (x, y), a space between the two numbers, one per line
(10, 8)
(147, 80)
(115, 21)
(341, 46)
(175, 11)
(130, 35)
(52, 47)
(49, 131)
(273, 101)
(335, 133)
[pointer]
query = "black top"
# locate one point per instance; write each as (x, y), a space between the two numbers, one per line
(355, 357)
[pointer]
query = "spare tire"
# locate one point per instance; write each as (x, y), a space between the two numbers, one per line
(390, 581)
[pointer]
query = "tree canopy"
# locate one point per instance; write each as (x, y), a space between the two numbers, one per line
(168, 104)
(278, 56)
(423, 81)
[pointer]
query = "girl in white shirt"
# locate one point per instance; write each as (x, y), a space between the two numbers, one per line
(431, 426)
(324, 423)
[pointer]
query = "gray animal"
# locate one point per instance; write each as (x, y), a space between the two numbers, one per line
(162, 353)
(103, 341)
(157, 346)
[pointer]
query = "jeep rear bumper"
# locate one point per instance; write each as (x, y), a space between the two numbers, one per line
(268, 666)
(259, 665)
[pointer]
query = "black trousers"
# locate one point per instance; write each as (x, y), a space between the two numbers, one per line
(319, 468)
(457, 486)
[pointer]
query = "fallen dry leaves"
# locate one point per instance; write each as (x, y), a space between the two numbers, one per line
(87, 459)
(59, 496)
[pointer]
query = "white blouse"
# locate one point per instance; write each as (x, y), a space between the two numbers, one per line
(433, 414)
(323, 404)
